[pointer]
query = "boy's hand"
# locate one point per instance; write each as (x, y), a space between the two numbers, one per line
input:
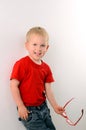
(59, 110)
(23, 112)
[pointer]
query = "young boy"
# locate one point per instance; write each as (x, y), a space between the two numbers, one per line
(31, 80)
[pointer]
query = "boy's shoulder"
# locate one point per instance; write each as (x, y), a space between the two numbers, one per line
(46, 65)
(22, 59)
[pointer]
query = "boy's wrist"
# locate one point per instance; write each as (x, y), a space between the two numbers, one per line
(20, 105)
(55, 107)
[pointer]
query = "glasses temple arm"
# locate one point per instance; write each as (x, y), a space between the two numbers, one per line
(73, 124)
(79, 117)
(68, 102)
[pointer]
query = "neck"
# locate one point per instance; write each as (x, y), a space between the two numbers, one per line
(36, 61)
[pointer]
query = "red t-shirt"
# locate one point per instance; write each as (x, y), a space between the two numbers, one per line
(32, 79)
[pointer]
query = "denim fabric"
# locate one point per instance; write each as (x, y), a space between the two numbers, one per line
(39, 118)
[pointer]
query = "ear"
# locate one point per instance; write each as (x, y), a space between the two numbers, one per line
(47, 47)
(26, 45)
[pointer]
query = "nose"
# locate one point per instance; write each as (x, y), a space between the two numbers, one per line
(38, 48)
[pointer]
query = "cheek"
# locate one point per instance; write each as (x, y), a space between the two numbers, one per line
(29, 48)
(44, 51)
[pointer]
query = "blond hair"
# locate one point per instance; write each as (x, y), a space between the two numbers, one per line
(39, 31)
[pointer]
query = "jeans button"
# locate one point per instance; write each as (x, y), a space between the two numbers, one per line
(39, 107)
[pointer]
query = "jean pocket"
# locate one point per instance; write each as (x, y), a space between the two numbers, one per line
(27, 121)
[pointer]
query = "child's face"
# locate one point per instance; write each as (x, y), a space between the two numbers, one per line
(36, 47)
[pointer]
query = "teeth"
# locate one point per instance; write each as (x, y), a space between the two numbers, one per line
(37, 53)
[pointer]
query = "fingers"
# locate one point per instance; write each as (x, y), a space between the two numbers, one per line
(64, 114)
(23, 113)
(59, 110)
(24, 116)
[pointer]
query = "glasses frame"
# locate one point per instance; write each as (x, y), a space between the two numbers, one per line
(66, 117)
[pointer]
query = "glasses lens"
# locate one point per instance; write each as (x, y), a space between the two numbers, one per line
(67, 119)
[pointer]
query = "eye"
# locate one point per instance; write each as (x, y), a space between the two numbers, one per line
(34, 44)
(43, 45)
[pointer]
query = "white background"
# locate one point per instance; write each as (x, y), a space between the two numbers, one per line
(65, 21)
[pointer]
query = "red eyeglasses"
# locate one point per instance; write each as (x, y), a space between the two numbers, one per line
(66, 117)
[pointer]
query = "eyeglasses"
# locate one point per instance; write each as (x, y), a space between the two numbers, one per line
(66, 117)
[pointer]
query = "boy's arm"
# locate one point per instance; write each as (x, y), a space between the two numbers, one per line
(22, 111)
(50, 96)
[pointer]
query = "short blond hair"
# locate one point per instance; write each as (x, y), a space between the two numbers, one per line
(39, 31)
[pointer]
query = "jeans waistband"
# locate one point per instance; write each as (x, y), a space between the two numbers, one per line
(30, 108)
(37, 107)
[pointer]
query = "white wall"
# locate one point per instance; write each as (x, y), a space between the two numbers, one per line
(66, 23)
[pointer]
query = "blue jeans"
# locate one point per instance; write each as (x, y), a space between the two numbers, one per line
(39, 118)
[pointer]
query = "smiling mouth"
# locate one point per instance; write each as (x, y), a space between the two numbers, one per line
(38, 54)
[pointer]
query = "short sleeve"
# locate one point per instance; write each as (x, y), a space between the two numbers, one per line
(49, 77)
(18, 71)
